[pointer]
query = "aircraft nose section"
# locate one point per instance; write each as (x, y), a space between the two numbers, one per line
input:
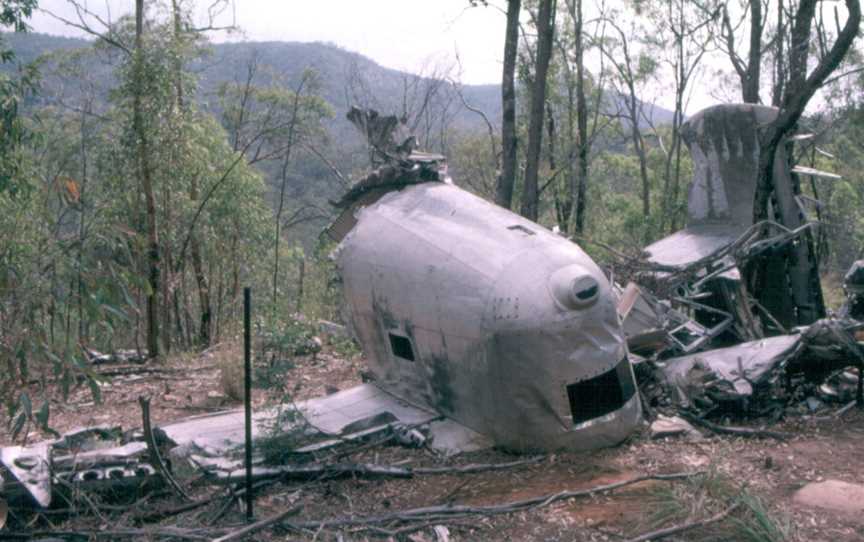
(574, 287)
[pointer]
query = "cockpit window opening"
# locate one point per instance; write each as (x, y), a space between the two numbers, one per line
(401, 347)
(602, 394)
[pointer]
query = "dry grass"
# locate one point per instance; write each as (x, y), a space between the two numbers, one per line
(704, 496)
(832, 290)
(229, 359)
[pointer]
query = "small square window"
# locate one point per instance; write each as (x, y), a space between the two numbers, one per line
(401, 347)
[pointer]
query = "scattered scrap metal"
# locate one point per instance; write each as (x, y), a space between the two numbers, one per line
(727, 317)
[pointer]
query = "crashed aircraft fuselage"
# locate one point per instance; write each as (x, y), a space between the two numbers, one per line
(466, 308)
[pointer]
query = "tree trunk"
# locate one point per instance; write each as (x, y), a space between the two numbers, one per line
(203, 285)
(545, 33)
(146, 182)
(773, 182)
(582, 125)
(779, 62)
(507, 177)
(639, 147)
(277, 238)
(286, 160)
(751, 80)
(298, 306)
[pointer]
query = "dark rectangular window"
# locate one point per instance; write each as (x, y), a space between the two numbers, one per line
(401, 347)
(601, 395)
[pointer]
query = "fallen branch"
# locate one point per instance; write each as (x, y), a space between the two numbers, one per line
(136, 534)
(153, 450)
(732, 430)
(846, 408)
(128, 370)
(160, 514)
(258, 525)
(402, 531)
(836, 414)
(669, 531)
(477, 467)
(448, 512)
(304, 472)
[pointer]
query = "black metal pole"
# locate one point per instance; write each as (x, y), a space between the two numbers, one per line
(247, 396)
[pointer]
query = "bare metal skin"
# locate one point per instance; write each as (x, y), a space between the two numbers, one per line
(488, 318)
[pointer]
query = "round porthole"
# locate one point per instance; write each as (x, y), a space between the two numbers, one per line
(573, 287)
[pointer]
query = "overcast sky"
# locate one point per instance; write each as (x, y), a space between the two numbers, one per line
(400, 34)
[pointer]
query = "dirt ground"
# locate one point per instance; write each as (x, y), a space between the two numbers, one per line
(768, 470)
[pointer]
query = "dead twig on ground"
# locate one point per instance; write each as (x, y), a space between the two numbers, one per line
(669, 531)
(732, 430)
(396, 533)
(845, 408)
(158, 515)
(115, 534)
(449, 512)
(476, 467)
(153, 450)
(129, 370)
(258, 525)
(339, 470)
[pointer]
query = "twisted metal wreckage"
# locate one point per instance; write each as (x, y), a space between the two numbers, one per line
(482, 328)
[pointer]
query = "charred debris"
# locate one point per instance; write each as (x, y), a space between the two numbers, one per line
(723, 322)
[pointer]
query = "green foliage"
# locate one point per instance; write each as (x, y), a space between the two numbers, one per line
(14, 88)
(73, 245)
(282, 338)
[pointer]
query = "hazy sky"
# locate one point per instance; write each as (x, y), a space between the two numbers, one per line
(401, 34)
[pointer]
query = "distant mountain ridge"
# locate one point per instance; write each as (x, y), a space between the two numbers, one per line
(383, 88)
(287, 60)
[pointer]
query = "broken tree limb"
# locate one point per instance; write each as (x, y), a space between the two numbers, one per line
(153, 450)
(447, 512)
(732, 430)
(116, 534)
(304, 472)
(477, 467)
(258, 525)
(669, 531)
(160, 514)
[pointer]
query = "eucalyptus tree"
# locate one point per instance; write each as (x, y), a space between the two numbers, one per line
(545, 24)
(13, 15)
(507, 179)
(272, 123)
(680, 33)
(631, 69)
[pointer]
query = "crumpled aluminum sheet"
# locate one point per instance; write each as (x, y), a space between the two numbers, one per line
(734, 372)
